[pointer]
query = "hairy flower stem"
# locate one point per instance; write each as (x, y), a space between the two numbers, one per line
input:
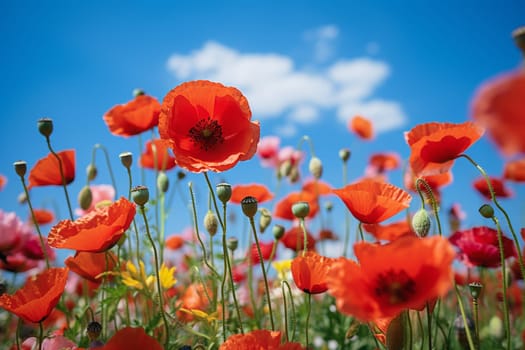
(157, 275)
(285, 283)
(433, 202)
(17, 336)
(475, 312)
(64, 185)
(464, 317)
(496, 203)
(307, 322)
(346, 214)
(261, 261)
(37, 226)
(305, 237)
(108, 163)
(40, 335)
(504, 281)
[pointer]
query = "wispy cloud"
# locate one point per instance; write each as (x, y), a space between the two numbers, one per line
(275, 87)
(323, 39)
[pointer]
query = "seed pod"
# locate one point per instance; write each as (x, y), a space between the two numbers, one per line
(421, 223)
(211, 223)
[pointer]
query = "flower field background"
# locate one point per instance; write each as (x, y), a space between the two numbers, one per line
(195, 227)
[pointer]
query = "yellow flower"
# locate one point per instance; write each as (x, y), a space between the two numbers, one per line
(200, 314)
(137, 278)
(282, 267)
(167, 279)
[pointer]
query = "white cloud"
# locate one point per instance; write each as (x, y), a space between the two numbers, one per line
(275, 87)
(286, 130)
(323, 39)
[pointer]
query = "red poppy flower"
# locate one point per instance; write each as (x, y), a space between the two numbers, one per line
(389, 232)
(257, 191)
(404, 274)
(133, 117)
(327, 235)
(132, 339)
(258, 339)
(515, 171)
(317, 187)
(310, 271)
(498, 106)
(479, 246)
(283, 209)
(39, 295)
(208, 126)
(3, 181)
(372, 202)
(193, 298)
(294, 239)
(163, 159)
(97, 231)
(91, 265)
(434, 146)
(384, 161)
(498, 185)
(266, 251)
(362, 127)
(174, 242)
(46, 171)
(43, 216)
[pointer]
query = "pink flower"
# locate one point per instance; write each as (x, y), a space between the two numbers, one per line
(100, 194)
(268, 151)
(12, 230)
(56, 342)
(291, 154)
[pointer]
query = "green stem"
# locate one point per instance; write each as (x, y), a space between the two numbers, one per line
(476, 320)
(464, 317)
(285, 283)
(261, 260)
(433, 201)
(347, 214)
(17, 336)
(157, 273)
(64, 185)
(108, 163)
(308, 312)
(40, 335)
(305, 235)
(429, 326)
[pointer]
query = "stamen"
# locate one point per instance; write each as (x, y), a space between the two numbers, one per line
(395, 286)
(206, 134)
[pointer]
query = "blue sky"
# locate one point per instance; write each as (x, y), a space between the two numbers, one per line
(305, 66)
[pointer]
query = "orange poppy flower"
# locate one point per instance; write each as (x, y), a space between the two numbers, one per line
(174, 242)
(283, 209)
(163, 160)
(46, 171)
(310, 271)
(130, 338)
(372, 202)
(133, 117)
(208, 126)
(435, 146)
(406, 273)
(498, 185)
(327, 235)
(317, 187)
(498, 106)
(3, 181)
(258, 339)
(90, 265)
(97, 231)
(389, 232)
(294, 239)
(515, 171)
(257, 191)
(193, 298)
(43, 216)
(362, 127)
(39, 295)
(384, 161)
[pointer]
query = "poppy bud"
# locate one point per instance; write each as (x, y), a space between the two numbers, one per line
(138, 92)
(486, 211)
(224, 192)
(22, 198)
(352, 329)
(344, 154)
(300, 209)
(180, 175)
(249, 206)
(496, 329)
(421, 223)
(45, 126)
(232, 243)
(278, 232)
(294, 175)
(126, 158)
(519, 38)
(91, 172)
(85, 197)
(211, 223)
(265, 219)
(140, 195)
(315, 167)
(20, 167)
(475, 289)
(93, 330)
(163, 182)
(329, 206)
(285, 168)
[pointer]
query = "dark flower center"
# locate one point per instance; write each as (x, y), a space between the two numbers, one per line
(395, 286)
(206, 134)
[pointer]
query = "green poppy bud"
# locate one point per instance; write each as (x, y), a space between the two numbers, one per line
(249, 206)
(85, 197)
(315, 167)
(211, 223)
(264, 219)
(278, 232)
(163, 182)
(140, 195)
(91, 172)
(126, 158)
(486, 211)
(421, 223)
(300, 209)
(20, 167)
(224, 192)
(45, 126)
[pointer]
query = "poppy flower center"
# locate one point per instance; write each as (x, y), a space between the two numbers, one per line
(395, 286)
(206, 134)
